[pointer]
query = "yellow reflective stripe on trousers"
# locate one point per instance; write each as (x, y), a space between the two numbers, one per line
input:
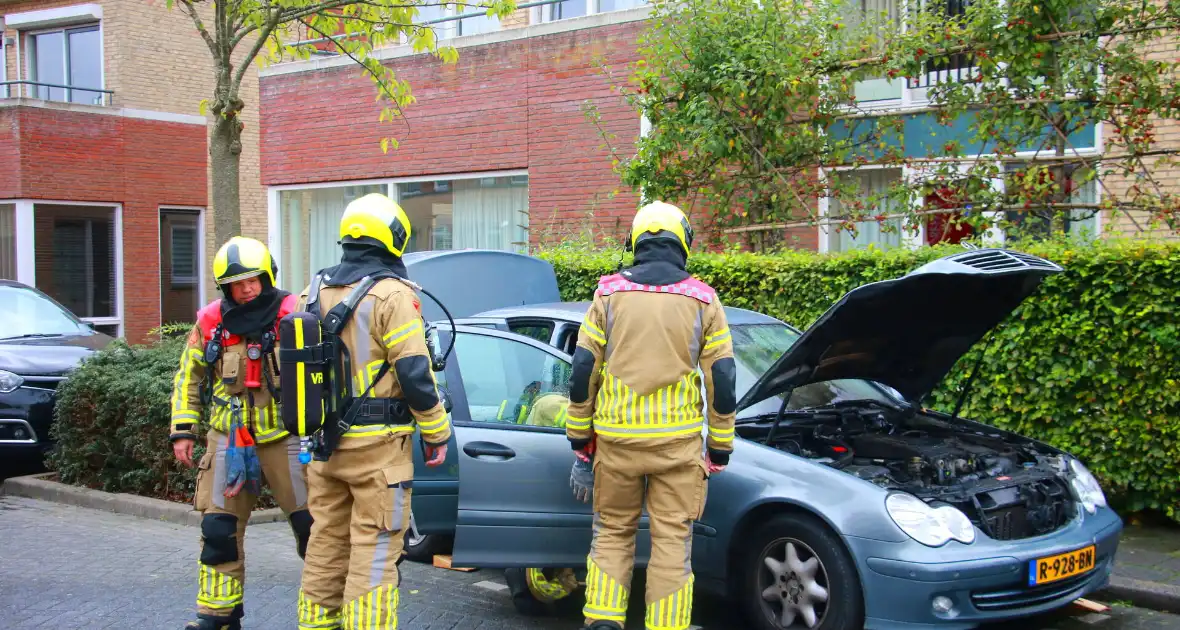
(218, 590)
(401, 333)
(605, 598)
(312, 616)
(375, 610)
(674, 612)
(671, 411)
(717, 338)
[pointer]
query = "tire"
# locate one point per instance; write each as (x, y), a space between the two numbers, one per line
(833, 571)
(530, 603)
(423, 547)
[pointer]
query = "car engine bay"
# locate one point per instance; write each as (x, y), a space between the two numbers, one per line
(1007, 486)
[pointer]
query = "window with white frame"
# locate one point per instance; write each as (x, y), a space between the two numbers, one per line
(1081, 188)
(70, 57)
(881, 89)
(577, 8)
(873, 186)
(474, 25)
(457, 212)
(78, 262)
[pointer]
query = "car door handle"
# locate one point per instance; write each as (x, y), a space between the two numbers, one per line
(488, 450)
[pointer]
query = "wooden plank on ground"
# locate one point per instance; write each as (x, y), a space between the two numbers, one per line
(444, 562)
(1090, 605)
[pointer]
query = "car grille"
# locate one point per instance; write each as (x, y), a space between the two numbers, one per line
(1031, 509)
(1014, 598)
(42, 382)
(1001, 260)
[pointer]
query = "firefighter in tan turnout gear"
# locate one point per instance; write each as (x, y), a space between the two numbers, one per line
(227, 371)
(636, 412)
(360, 484)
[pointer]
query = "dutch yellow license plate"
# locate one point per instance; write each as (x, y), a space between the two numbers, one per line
(1060, 567)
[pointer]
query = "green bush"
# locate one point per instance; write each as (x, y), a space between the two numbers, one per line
(1088, 364)
(112, 421)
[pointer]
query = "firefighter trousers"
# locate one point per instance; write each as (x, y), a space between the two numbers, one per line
(222, 565)
(360, 503)
(674, 478)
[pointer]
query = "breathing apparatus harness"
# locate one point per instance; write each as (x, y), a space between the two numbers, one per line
(257, 352)
(317, 366)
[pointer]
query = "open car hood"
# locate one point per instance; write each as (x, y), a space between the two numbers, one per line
(470, 281)
(909, 332)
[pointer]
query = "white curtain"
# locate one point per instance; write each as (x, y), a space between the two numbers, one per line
(489, 215)
(872, 182)
(311, 229)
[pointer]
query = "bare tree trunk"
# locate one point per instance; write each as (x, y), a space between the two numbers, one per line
(225, 154)
(225, 151)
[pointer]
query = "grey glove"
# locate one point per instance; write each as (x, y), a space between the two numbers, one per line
(582, 480)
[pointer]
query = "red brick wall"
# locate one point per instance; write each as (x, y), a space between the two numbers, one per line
(508, 105)
(142, 164)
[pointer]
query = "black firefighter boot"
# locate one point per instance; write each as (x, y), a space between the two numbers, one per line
(603, 624)
(212, 622)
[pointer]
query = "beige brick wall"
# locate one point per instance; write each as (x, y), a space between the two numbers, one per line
(155, 60)
(518, 19)
(1168, 176)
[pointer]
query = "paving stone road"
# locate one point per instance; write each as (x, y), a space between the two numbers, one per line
(68, 568)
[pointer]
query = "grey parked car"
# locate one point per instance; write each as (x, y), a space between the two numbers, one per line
(847, 504)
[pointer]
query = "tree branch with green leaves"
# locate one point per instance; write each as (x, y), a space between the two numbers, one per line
(241, 33)
(763, 109)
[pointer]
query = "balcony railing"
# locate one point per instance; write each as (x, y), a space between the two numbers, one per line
(957, 67)
(56, 92)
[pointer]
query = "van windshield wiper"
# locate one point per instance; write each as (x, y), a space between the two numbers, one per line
(31, 336)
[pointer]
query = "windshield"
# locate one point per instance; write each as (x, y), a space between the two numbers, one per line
(25, 312)
(757, 346)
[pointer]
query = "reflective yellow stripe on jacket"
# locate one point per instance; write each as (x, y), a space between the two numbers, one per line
(672, 411)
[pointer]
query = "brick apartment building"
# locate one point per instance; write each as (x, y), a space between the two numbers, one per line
(104, 175)
(496, 153)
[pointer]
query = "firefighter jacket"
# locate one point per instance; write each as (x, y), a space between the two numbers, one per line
(226, 379)
(387, 325)
(635, 378)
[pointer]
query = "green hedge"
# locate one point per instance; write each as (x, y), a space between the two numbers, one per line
(112, 421)
(1089, 363)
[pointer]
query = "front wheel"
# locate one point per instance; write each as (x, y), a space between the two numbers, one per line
(795, 574)
(423, 547)
(541, 592)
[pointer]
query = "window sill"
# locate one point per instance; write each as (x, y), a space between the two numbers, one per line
(50, 18)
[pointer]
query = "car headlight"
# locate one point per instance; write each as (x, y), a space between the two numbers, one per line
(931, 526)
(9, 381)
(1086, 487)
